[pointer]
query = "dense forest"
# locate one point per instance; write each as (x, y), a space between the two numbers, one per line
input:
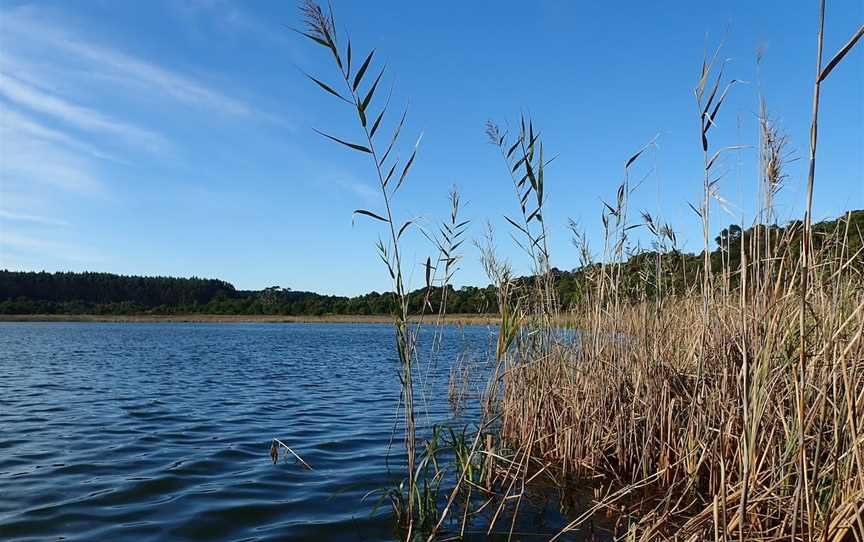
(23, 292)
(104, 293)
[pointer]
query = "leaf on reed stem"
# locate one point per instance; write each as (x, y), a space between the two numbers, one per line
(517, 164)
(362, 70)
(529, 171)
(714, 89)
(376, 123)
(395, 136)
(718, 104)
(634, 157)
(405, 171)
(721, 151)
(354, 146)
(365, 103)
(515, 225)
(390, 173)
(840, 54)
(348, 63)
(695, 210)
(326, 87)
(513, 148)
(402, 229)
(523, 201)
(408, 164)
(371, 214)
(316, 39)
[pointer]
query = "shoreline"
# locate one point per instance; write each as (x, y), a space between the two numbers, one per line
(450, 319)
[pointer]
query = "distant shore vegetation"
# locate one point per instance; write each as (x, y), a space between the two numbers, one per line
(67, 293)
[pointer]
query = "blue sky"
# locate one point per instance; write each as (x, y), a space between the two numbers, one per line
(175, 138)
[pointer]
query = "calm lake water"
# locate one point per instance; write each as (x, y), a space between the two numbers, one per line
(162, 431)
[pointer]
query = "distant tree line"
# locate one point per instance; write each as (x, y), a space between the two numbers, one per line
(25, 292)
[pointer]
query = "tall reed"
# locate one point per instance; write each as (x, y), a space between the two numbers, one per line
(414, 499)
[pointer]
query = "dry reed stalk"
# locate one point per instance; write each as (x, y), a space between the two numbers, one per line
(274, 453)
(615, 407)
(716, 396)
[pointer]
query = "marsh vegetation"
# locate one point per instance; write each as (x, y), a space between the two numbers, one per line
(717, 397)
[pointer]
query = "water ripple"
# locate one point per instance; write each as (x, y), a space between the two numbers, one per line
(162, 431)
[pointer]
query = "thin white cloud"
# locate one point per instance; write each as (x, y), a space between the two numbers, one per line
(121, 66)
(348, 182)
(24, 242)
(15, 122)
(82, 117)
(57, 250)
(226, 16)
(174, 85)
(25, 161)
(365, 191)
(19, 217)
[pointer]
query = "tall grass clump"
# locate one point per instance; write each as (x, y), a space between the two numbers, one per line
(729, 407)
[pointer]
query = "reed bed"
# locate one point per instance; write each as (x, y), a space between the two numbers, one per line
(708, 445)
(720, 402)
(727, 408)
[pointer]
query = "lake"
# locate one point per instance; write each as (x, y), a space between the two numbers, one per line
(162, 431)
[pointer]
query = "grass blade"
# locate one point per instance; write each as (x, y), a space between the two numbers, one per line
(327, 87)
(362, 70)
(370, 214)
(354, 146)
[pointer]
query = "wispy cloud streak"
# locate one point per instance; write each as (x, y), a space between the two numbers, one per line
(82, 117)
(35, 245)
(25, 161)
(122, 66)
(19, 217)
(17, 123)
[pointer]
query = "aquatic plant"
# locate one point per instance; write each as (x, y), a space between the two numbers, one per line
(415, 500)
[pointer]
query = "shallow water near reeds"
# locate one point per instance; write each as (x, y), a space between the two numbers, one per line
(162, 431)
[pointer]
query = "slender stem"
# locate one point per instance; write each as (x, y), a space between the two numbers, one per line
(404, 342)
(805, 271)
(300, 459)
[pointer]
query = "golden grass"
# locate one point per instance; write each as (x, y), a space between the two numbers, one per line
(689, 445)
(733, 411)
